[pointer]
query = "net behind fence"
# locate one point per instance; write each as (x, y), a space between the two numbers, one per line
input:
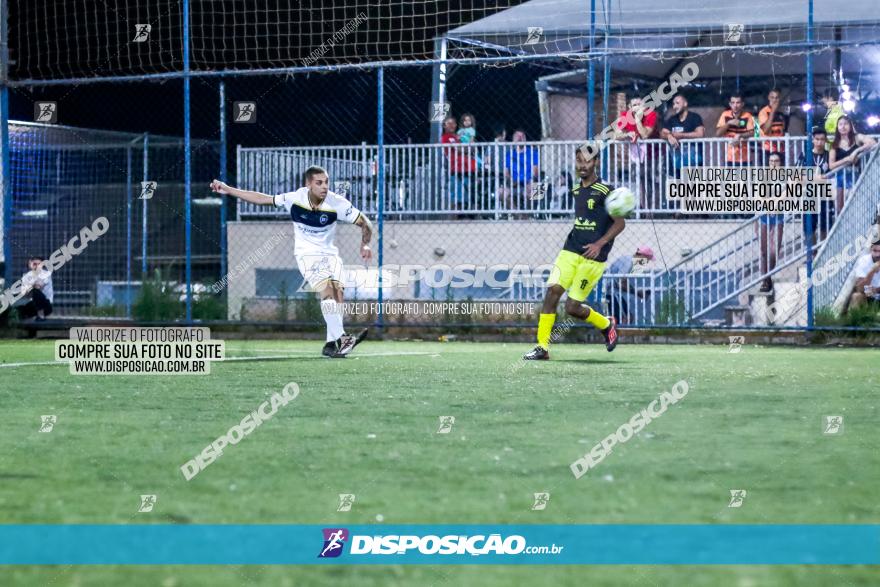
(466, 171)
(64, 179)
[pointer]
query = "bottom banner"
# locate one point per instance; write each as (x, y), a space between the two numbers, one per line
(440, 544)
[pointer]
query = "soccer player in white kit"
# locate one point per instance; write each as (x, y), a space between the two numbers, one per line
(315, 210)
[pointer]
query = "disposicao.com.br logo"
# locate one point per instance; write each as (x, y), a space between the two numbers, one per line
(334, 540)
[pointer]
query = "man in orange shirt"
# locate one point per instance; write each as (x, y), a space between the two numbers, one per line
(738, 125)
(773, 123)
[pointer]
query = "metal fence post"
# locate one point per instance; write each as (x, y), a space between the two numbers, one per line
(187, 155)
(128, 196)
(5, 171)
(380, 177)
(591, 70)
(144, 234)
(223, 198)
(810, 218)
(6, 185)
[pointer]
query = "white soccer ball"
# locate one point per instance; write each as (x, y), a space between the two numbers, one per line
(620, 202)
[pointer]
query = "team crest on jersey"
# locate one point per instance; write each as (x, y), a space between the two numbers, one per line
(323, 219)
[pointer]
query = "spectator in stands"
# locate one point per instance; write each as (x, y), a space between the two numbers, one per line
(738, 125)
(468, 131)
(636, 125)
(833, 112)
(460, 165)
(846, 148)
(36, 285)
(774, 124)
(825, 218)
(683, 124)
(867, 273)
(494, 156)
(467, 134)
(521, 170)
(624, 298)
(769, 229)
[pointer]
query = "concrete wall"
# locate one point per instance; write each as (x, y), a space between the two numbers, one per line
(531, 243)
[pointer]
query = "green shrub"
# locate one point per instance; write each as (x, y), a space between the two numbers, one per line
(864, 316)
(826, 316)
(156, 301)
(106, 311)
(209, 307)
(283, 303)
(672, 309)
(308, 309)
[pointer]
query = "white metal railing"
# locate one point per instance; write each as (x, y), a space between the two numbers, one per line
(859, 212)
(733, 263)
(491, 180)
(352, 171)
(482, 180)
(635, 299)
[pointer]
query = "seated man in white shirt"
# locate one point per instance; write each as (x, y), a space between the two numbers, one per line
(36, 287)
(623, 298)
(867, 272)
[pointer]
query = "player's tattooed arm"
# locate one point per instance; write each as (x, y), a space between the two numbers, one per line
(366, 236)
(246, 195)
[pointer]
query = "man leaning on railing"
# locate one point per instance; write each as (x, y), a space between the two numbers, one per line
(683, 124)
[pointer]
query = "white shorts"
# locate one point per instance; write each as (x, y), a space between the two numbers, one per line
(318, 269)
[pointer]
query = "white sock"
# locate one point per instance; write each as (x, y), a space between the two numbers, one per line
(333, 317)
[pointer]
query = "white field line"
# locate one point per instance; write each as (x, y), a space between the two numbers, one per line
(229, 359)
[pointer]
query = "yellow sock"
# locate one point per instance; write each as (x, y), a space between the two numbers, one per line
(545, 328)
(598, 320)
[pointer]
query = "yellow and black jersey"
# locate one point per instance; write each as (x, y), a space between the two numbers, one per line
(591, 220)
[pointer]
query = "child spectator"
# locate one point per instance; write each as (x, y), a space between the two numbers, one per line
(468, 131)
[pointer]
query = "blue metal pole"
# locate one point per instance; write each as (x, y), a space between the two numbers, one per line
(187, 156)
(591, 70)
(380, 176)
(606, 88)
(809, 219)
(223, 212)
(5, 170)
(6, 181)
(129, 195)
(606, 81)
(144, 208)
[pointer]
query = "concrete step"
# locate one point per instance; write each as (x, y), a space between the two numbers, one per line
(737, 315)
(790, 310)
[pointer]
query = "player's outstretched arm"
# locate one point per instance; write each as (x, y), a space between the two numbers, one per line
(246, 195)
(366, 236)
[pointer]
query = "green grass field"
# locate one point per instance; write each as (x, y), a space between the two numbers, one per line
(368, 425)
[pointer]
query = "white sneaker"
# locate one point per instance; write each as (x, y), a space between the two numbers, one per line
(346, 344)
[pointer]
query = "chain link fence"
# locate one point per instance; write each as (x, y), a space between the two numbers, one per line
(466, 170)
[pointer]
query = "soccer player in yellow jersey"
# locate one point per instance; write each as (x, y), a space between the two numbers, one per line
(581, 262)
